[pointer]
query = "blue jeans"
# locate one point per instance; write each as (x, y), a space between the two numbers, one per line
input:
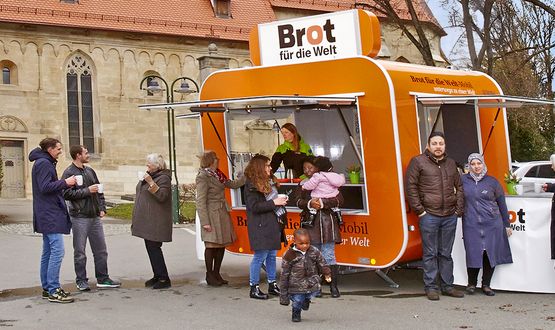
(438, 235)
(299, 298)
(328, 251)
(91, 229)
(51, 261)
(268, 257)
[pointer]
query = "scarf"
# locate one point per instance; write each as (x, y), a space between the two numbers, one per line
(217, 174)
(280, 211)
(477, 177)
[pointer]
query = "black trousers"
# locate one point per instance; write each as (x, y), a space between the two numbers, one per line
(154, 250)
(487, 272)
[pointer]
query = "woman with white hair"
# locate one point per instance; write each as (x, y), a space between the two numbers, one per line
(550, 187)
(152, 217)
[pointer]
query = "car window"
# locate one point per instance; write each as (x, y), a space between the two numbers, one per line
(532, 172)
(545, 171)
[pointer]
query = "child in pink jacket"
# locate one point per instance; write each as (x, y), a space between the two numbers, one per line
(323, 184)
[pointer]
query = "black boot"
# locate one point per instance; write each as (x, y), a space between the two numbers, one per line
(333, 285)
(256, 293)
(273, 289)
(212, 280)
(306, 305)
(296, 316)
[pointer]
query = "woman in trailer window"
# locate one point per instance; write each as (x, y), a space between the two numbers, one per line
(324, 231)
(213, 211)
(265, 213)
(485, 224)
(291, 152)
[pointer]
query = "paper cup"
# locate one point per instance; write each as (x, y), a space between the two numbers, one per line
(283, 196)
(79, 180)
(538, 188)
(100, 188)
(519, 189)
(141, 175)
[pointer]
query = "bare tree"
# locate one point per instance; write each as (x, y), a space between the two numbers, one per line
(391, 9)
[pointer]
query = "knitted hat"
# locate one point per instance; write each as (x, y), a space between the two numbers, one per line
(323, 163)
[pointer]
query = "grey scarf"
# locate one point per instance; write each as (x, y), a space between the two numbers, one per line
(477, 177)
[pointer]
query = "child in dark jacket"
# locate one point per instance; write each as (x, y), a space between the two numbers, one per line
(301, 267)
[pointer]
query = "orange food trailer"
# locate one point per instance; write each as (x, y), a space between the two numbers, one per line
(356, 110)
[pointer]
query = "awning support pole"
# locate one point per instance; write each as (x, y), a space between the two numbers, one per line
(491, 130)
(221, 141)
(353, 144)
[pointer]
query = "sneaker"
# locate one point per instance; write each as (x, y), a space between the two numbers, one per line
(83, 285)
(108, 284)
(151, 282)
(45, 294)
(60, 296)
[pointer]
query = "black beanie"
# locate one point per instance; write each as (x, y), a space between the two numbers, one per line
(323, 163)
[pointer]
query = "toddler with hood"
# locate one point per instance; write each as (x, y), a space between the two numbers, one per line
(323, 184)
(301, 268)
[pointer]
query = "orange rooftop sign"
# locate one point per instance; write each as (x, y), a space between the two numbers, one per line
(316, 38)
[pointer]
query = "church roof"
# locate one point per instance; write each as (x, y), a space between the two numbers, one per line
(193, 18)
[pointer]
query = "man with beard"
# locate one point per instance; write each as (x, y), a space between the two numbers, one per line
(435, 193)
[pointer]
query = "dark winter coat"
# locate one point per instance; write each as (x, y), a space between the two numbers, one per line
(484, 222)
(50, 214)
(326, 227)
(434, 186)
(152, 213)
(262, 223)
(300, 273)
(81, 203)
(551, 188)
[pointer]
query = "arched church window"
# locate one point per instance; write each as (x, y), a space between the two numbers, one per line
(80, 102)
(9, 72)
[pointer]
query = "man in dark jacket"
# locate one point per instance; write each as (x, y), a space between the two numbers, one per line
(50, 216)
(86, 207)
(434, 192)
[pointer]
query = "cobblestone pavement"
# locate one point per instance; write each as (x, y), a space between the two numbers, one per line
(27, 229)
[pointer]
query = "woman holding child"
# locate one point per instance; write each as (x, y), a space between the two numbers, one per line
(324, 231)
(264, 209)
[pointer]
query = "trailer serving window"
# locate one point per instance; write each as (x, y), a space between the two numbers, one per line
(328, 124)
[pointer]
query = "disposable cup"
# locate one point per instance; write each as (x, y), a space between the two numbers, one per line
(140, 175)
(283, 196)
(79, 180)
(100, 188)
(538, 188)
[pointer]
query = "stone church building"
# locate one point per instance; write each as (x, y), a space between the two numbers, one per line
(71, 69)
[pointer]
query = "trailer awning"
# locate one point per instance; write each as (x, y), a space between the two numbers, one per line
(489, 101)
(249, 104)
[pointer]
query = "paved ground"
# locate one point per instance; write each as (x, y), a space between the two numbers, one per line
(367, 302)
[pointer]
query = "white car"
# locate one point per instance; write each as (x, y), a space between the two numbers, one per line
(534, 172)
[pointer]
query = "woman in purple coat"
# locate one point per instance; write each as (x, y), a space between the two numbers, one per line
(485, 225)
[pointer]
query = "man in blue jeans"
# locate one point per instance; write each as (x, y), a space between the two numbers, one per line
(50, 216)
(86, 207)
(435, 193)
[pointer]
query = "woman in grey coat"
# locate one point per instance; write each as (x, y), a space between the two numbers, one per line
(213, 211)
(152, 217)
(485, 225)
